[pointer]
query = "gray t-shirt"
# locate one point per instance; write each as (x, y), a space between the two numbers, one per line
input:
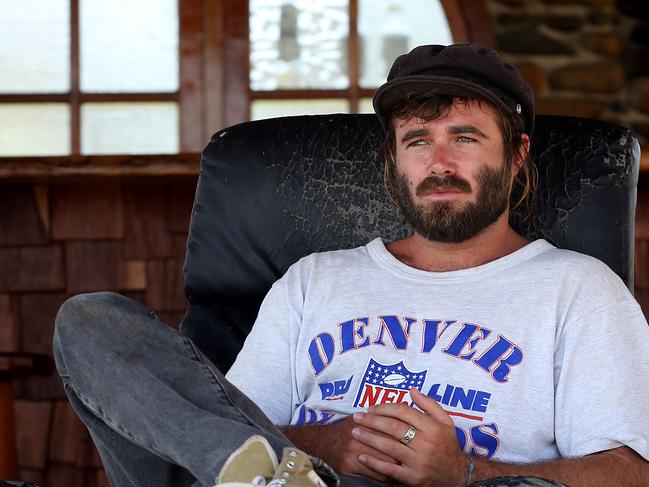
(538, 355)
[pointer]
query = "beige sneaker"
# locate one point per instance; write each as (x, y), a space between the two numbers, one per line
(296, 470)
(253, 463)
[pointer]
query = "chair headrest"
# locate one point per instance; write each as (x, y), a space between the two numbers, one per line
(272, 191)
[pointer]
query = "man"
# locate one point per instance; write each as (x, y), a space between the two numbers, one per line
(462, 353)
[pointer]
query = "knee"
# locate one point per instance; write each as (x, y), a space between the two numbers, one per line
(83, 309)
(86, 318)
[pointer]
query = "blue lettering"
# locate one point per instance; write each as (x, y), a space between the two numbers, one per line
(326, 389)
(460, 341)
(350, 330)
(501, 372)
(461, 437)
(481, 401)
(395, 329)
(485, 441)
(341, 386)
(447, 394)
(464, 338)
(347, 336)
(433, 392)
(495, 352)
(337, 388)
(321, 352)
(432, 333)
(310, 416)
(462, 397)
(470, 400)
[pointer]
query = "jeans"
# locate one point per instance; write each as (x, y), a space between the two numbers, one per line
(160, 413)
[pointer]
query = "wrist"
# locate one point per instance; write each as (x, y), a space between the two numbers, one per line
(466, 475)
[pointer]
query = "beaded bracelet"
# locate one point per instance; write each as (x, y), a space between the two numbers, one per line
(470, 472)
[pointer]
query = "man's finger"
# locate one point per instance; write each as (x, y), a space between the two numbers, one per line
(390, 446)
(430, 407)
(399, 473)
(371, 450)
(393, 427)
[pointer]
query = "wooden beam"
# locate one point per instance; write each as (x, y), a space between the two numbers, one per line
(75, 87)
(8, 451)
(35, 98)
(353, 57)
(237, 62)
(213, 69)
(191, 75)
(469, 21)
(297, 94)
(35, 169)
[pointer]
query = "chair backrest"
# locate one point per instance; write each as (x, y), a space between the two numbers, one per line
(273, 191)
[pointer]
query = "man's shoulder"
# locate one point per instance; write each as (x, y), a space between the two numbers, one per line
(353, 256)
(570, 261)
(328, 263)
(580, 272)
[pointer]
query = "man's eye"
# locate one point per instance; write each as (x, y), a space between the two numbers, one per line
(465, 139)
(417, 142)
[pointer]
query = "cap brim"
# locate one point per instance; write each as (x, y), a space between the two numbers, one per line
(392, 92)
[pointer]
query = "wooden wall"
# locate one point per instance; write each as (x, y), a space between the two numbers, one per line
(61, 239)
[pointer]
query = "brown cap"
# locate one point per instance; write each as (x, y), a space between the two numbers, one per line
(466, 70)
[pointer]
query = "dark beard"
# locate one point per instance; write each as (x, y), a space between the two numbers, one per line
(442, 221)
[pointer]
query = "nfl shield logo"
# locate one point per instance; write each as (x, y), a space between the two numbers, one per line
(382, 384)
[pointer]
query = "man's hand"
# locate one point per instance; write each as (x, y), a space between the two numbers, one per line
(432, 458)
(335, 444)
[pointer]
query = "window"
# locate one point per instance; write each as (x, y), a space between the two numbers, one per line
(330, 56)
(84, 77)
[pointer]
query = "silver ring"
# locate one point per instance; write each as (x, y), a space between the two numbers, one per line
(409, 436)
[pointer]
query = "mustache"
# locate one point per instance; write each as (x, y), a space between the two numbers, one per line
(433, 183)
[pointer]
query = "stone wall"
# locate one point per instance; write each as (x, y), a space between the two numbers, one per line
(588, 58)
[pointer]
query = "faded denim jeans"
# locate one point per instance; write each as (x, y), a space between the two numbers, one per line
(160, 413)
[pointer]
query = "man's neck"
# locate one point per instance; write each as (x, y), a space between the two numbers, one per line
(495, 241)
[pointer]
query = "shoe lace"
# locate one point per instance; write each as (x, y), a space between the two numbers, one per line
(260, 481)
(276, 483)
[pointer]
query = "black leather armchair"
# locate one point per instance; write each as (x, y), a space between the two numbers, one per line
(275, 190)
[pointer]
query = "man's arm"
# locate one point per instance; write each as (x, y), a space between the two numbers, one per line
(620, 467)
(433, 457)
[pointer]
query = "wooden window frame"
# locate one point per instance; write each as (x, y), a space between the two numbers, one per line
(188, 96)
(466, 20)
(214, 88)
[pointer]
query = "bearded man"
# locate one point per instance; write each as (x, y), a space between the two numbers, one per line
(462, 353)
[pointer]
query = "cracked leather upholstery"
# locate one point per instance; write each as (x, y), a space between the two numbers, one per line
(275, 190)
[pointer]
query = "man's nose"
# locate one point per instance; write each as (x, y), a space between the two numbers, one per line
(440, 160)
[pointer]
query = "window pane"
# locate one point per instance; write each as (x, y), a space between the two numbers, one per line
(34, 129)
(388, 28)
(129, 128)
(282, 108)
(129, 46)
(34, 46)
(298, 44)
(365, 105)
